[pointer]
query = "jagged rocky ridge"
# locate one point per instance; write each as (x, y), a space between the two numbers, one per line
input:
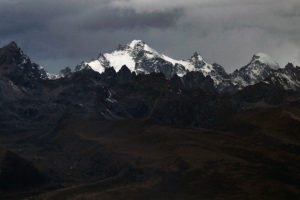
(17, 66)
(27, 94)
(260, 67)
(142, 59)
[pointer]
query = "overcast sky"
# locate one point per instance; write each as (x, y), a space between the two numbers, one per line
(63, 33)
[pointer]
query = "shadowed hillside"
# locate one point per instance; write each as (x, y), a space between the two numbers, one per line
(119, 135)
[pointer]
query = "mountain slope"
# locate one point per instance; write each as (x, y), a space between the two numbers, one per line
(259, 68)
(288, 78)
(17, 173)
(164, 162)
(142, 59)
(17, 66)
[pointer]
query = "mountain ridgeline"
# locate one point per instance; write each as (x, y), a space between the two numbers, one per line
(137, 124)
(136, 81)
(142, 59)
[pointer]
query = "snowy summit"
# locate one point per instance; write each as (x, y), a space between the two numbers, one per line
(142, 59)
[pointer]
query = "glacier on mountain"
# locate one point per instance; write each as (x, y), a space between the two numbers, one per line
(140, 58)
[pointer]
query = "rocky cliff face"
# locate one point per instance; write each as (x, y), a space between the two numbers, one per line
(17, 66)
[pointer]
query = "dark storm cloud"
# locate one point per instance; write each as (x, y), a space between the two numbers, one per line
(57, 33)
(117, 19)
(17, 17)
(65, 32)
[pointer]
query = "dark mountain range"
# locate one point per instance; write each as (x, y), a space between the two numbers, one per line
(142, 59)
(136, 124)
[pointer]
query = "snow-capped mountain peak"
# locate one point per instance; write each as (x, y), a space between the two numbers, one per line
(140, 58)
(138, 48)
(134, 43)
(128, 55)
(287, 78)
(197, 57)
(265, 59)
(139, 45)
(259, 68)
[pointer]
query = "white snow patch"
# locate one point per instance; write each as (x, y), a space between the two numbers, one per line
(96, 66)
(186, 64)
(126, 56)
(119, 58)
(109, 98)
(52, 76)
(206, 69)
(134, 43)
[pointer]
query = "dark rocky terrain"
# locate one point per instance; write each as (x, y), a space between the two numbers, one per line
(119, 135)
